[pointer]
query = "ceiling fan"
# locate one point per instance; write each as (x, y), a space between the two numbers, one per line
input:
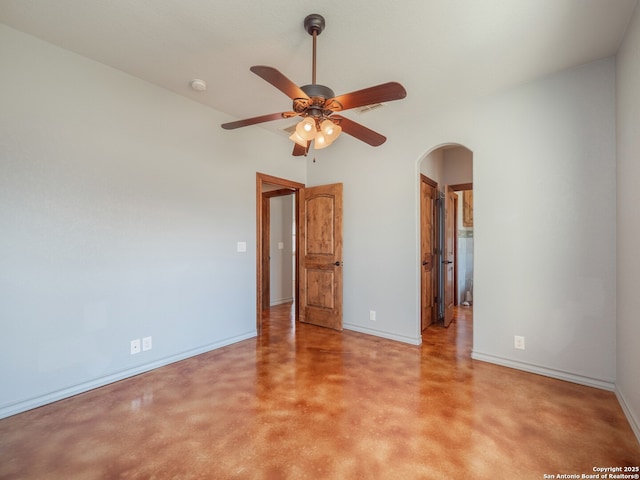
(317, 104)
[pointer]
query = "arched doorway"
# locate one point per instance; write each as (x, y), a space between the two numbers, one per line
(446, 233)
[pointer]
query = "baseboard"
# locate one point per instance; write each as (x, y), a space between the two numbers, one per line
(545, 371)
(380, 333)
(633, 420)
(24, 405)
(281, 301)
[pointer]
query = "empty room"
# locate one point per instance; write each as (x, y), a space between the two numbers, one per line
(291, 240)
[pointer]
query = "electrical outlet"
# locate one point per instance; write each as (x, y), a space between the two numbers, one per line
(518, 342)
(135, 346)
(372, 315)
(147, 343)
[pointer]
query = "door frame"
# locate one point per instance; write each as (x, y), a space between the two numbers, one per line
(460, 187)
(262, 226)
(266, 240)
(455, 251)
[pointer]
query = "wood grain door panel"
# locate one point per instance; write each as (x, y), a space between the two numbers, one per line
(320, 212)
(428, 288)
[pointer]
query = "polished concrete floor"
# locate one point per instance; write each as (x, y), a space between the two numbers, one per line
(311, 403)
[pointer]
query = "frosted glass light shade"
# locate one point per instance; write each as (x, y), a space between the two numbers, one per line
(330, 130)
(298, 139)
(306, 128)
(320, 141)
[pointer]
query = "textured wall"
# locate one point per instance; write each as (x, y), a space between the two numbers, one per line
(628, 149)
(120, 209)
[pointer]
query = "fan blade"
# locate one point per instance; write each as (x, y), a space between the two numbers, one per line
(380, 93)
(278, 80)
(261, 119)
(299, 150)
(359, 131)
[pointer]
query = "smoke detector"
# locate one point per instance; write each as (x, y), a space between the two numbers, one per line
(198, 85)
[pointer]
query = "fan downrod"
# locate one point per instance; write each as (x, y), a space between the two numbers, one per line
(314, 23)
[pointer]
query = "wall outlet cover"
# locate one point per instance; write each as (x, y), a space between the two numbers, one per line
(135, 346)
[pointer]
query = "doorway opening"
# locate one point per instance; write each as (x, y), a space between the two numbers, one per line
(286, 193)
(446, 234)
(316, 250)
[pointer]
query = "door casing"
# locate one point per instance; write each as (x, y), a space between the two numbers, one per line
(448, 255)
(263, 181)
(266, 241)
(461, 187)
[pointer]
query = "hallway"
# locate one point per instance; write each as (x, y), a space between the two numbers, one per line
(311, 403)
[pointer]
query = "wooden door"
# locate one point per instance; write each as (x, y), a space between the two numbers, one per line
(320, 256)
(428, 195)
(448, 255)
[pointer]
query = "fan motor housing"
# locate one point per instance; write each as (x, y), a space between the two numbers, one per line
(315, 90)
(314, 106)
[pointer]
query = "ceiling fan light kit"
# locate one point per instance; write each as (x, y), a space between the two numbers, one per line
(317, 104)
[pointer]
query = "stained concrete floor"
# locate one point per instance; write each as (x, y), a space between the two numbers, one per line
(311, 403)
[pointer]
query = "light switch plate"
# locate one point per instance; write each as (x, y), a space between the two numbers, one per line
(242, 247)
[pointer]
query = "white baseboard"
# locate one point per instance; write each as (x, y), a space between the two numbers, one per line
(545, 371)
(379, 333)
(633, 420)
(28, 404)
(281, 301)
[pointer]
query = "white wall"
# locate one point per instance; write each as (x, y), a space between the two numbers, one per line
(281, 235)
(433, 166)
(458, 166)
(628, 231)
(544, 226)
(379, 231)
(544, 192)
(120, 208)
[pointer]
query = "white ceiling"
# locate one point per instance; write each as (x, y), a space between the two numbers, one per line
(442, 51)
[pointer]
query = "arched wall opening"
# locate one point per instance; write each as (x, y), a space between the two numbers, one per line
(445, 235)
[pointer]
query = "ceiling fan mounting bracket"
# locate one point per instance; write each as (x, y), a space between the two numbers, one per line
(314, 23)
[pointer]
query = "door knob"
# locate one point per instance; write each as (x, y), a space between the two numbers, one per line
(445, 262)
(337, 264)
